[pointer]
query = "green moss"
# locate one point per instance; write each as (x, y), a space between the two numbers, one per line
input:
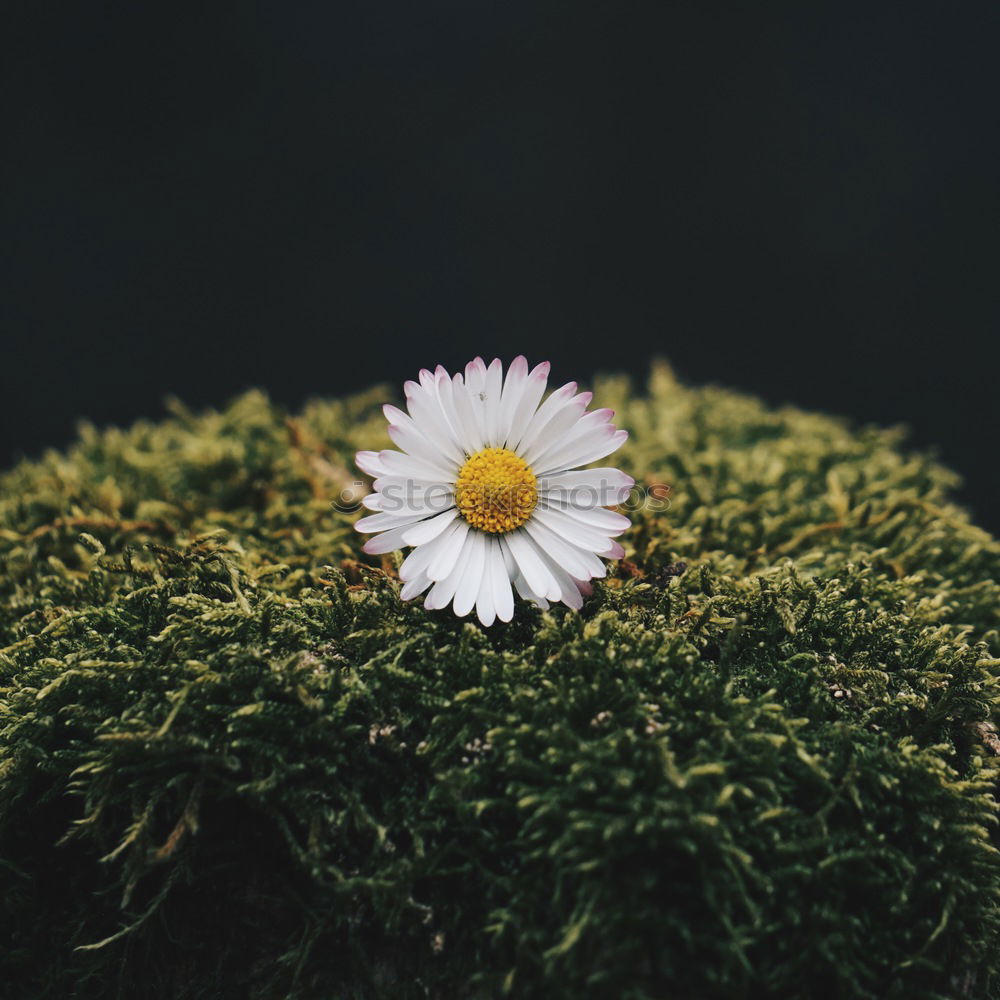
(233, 764)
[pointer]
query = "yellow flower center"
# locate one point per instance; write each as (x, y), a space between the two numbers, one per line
(495, 490)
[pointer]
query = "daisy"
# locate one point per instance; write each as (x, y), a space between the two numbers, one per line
(486, 488)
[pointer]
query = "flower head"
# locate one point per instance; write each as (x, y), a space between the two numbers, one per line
(487, 489)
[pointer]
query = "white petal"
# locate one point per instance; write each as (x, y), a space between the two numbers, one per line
(513, 389)
(496, 570)
(472, 434)
(408, 466)
(443, 591)
(561, 427)
(475, 387)
(428, 414)
(388, 541)
(405, 496)
(569, 589)
(474, 559)
(556, 401)
(527, 405)
(608, 522)
(427, 531)
(372, 502)
(383, 522)
(411, 588)
(412, 442)
(568, 441)
(491, 404)
(509, 563)
(438, 440)
(516, 579)
(417, 562)
(486, 610)
(495, 600)
(531, 565)
(595, 446)
(584, 497)
(410, 488)
(575, 532)
(401, 493)
(613, 551)
(586, 487)
(581, 564)
(368, 462)
(445, 558)
(453, 407)
(529, 595)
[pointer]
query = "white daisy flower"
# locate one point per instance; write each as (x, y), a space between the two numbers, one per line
(487, 489)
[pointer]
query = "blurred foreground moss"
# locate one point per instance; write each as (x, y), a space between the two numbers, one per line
(233, 764)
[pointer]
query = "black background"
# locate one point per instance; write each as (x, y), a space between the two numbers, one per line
(799, 200)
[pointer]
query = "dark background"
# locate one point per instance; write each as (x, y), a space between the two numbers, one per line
(798, 200)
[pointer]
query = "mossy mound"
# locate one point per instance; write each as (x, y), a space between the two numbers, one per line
(234, 765)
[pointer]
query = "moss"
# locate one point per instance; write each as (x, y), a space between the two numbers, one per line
(233, 764)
